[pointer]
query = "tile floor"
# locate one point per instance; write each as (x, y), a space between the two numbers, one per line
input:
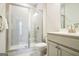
(25, 52)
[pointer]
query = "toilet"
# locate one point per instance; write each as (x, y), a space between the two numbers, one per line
(41, 47)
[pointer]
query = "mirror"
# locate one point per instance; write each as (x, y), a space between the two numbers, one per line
(69, 14)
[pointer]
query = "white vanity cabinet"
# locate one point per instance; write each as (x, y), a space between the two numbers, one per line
(52, 50)
(67, 52)
(62, 45)
(56, 50)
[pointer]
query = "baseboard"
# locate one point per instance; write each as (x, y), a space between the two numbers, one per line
(3, 54)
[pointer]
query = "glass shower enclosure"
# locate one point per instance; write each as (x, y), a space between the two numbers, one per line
(18, 26)
(36, 27)
(25, 26)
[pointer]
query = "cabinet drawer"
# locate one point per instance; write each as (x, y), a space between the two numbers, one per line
(64, 40)
(68, 52)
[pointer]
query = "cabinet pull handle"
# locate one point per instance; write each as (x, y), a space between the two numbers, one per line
(57, 47)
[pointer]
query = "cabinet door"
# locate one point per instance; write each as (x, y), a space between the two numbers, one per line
(67, 52)
(52, 50)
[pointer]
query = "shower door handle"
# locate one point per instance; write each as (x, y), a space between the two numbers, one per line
(28, 35)
(28, 39)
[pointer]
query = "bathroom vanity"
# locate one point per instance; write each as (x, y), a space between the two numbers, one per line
(63, 44)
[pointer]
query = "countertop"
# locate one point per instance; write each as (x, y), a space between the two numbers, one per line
(65, 34)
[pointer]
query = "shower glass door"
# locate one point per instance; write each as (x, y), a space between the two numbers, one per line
(18, 27)
(36, 27)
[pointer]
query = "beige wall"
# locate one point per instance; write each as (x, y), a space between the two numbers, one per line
(2, 34)
(44, 22)
(53, 17)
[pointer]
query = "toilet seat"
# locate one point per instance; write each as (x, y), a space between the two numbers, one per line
(40, 45)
